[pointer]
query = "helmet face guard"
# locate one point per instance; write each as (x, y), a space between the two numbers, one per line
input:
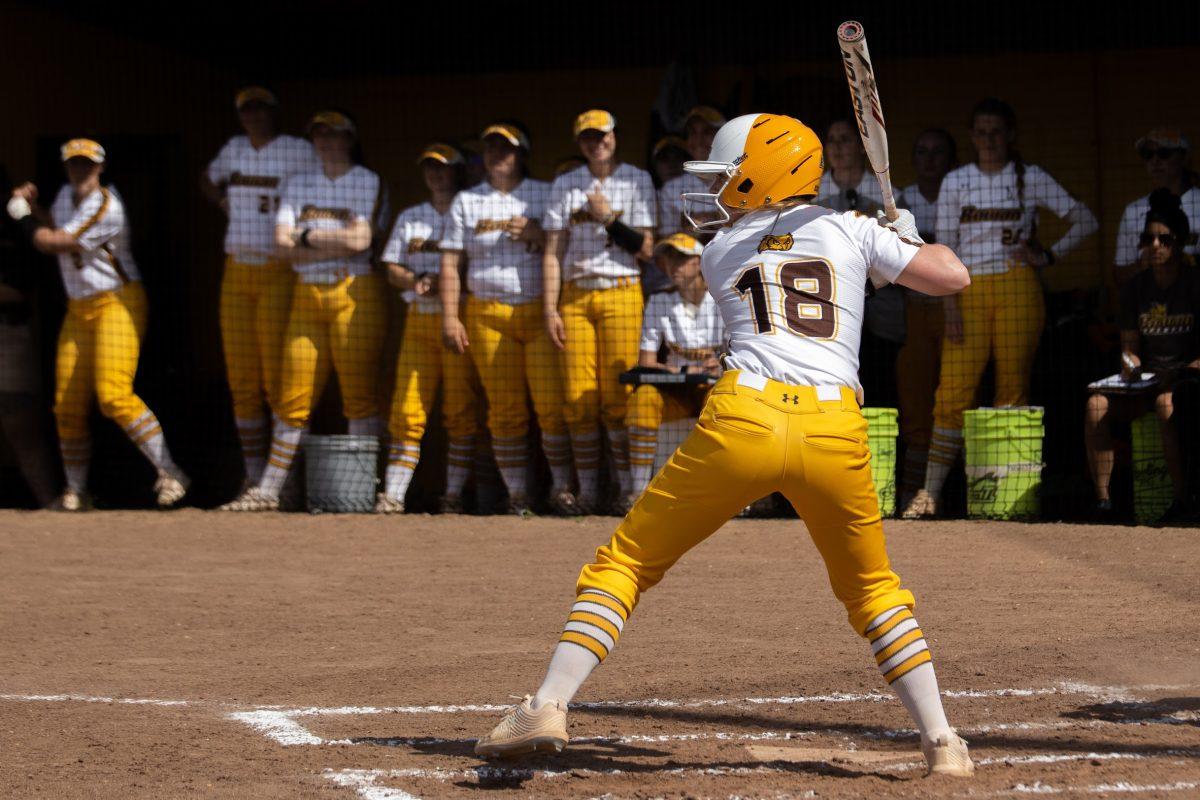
(695, 203)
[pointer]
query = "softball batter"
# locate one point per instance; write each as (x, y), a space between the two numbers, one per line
(106, 318)
(256, 290)
(598, 221)
(412, 257)
(327, 222)
(495, 227)
(790, 279)
(988, 212)
(687, 323)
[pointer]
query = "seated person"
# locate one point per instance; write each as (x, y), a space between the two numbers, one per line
(1159, 334)
(688, 324)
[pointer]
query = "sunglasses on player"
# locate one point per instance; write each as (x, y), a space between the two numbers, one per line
(1165, 239)
(1161, 153)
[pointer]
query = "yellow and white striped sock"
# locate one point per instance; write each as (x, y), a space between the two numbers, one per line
(147, 434)
(618, 443)
(643, 444)
(284, 444)
(587, 461)
(558, 456)
(903, 657)
(512, 455)
(944, 447)
(458, 463)
(76, 456)
(402, 463)
(252, 432)
(592, 630)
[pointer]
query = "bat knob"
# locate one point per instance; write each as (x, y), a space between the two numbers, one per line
(850, 31)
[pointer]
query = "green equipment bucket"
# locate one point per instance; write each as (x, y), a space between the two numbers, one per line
(1003, 452)
(341, 473)
(1152, 492)
(882, 432)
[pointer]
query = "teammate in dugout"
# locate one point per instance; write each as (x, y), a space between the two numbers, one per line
(245, 179)
(494, 234)
(1160, 334)
(101, 336)
(699, 126)
(687, 323)
(1165, 152)
(987, 211)
(598, 221)
(935, 153)
(328, 221)
(790, 280)
(412, 257)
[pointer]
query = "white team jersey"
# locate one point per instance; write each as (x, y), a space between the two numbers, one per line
(498, 267)
(416, 243)
(100, 227)
(253, 179)
(691, 333)
(923, 211)
(791, 287)
(590, 251)
(1133, 222)
(981, 218)
(867, 197)
(670, 204)
(312, 200)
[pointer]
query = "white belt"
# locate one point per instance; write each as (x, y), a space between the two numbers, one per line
(825, 391)
(255, 259)
(594, 282)
(328, 278)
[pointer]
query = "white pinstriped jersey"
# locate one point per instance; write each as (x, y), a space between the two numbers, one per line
(99, 225)
(791, 286)
(416, 243)
(1133, 222)
(982, 219)
(590, 251)
(867, 197)
(498, 267)
(691, 333)
(312, 200)
(253, 179)
(670, 204)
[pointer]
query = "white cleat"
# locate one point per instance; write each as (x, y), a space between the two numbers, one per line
(524, 731)
(253, 499)
(388, 505)
(72, 501)
(947, 755)
(923, 506)
(170, 489)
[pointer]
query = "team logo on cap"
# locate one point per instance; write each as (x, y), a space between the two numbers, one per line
(782, 243)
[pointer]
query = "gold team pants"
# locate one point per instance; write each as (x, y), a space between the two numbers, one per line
(603, 327)
(749, 443)
(97, 357)
(340, 325)
(917, 366)
(422, 365)
(255, 301)
(1002, 318)
(650, 406)
(514, 355)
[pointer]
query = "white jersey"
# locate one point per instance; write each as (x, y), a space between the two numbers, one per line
(498, 267)
(99, 225)
(590, 251)
(253, 178)
(1133, 222)
(312, 200)
(416, 243)
(923, 211)
(866, 198)
(791, 287)
(670, 204)
(982, 218)
(691, 333)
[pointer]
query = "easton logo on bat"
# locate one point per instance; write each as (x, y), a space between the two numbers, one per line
(858, 87)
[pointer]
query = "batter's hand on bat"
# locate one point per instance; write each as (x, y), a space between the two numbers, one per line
(905, 225)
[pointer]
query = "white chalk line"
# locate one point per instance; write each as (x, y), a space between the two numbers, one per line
(83, 698)
(1121, 787)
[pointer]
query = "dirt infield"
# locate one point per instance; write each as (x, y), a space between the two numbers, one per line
(209, 655)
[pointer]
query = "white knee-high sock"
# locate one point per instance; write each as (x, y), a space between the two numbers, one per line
(147, 434)
(76, 456)
(252, 432)
(643, 445)
(592, 630)
(944, 447)
(618, 443)
(558, 455)
(284, 444)
(904, 659)
(512, 456)
(586, 447)
(402, 462)
(458, 464)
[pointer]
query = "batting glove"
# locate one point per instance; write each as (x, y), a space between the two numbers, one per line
(905, 225)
